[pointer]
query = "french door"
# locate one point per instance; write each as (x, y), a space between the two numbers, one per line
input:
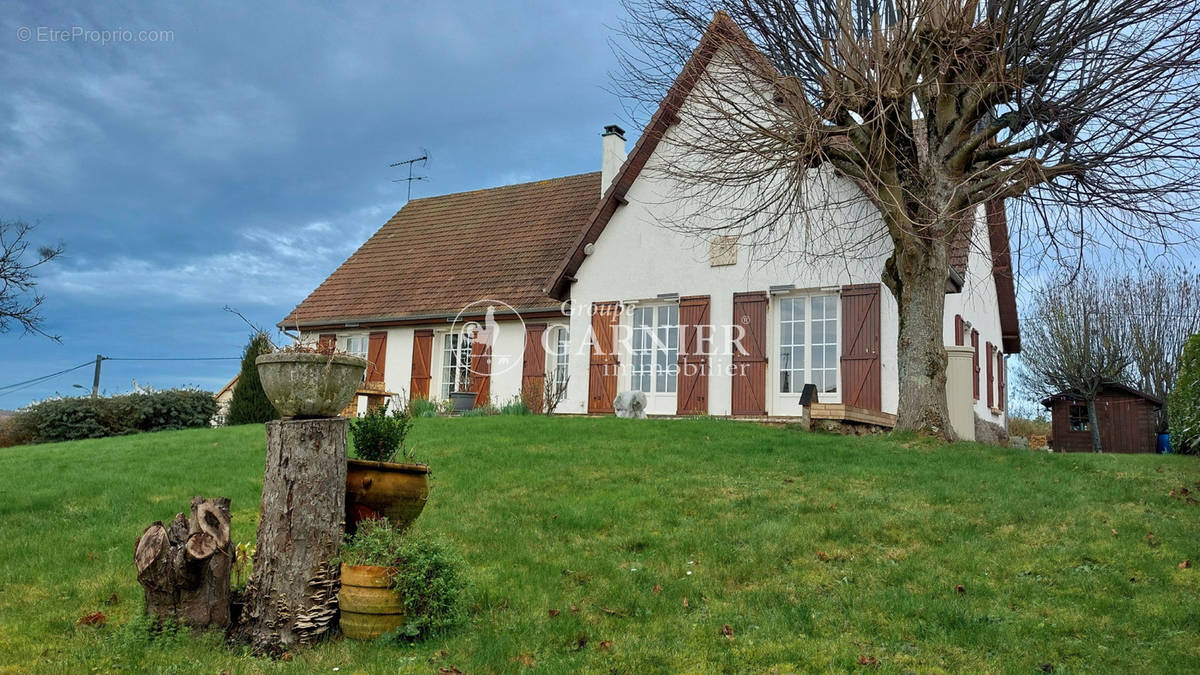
(655, 360)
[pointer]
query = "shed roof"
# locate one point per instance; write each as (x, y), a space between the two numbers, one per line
(1071, 395)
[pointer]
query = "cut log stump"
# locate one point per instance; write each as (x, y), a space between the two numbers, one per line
(292, 596)
(184, 567)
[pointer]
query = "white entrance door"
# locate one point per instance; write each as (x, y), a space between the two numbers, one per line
(655, 356)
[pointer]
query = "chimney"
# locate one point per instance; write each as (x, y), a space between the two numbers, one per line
(613, 155)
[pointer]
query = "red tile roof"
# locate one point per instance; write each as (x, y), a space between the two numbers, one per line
(439, 254)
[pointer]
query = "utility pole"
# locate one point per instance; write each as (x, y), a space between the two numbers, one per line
(96, 378)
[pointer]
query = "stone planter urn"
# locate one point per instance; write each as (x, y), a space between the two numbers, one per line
(303, 384)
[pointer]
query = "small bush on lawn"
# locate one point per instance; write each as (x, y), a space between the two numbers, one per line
(423, 407)
(378, 435)
(429, 577)
(1183, 407)
(14, 431)
(69, 419)
(485, 410)
(516, 406)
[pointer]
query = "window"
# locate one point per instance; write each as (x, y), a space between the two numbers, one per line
(560, 347)
(655, 349)
(1079, 418)
(808, 343)
(456, 363)
(356, 345)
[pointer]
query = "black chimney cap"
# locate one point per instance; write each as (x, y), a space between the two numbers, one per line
(613, 129)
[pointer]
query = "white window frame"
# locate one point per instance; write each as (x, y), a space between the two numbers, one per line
(787, 402)
(558, 353)
(441, 379)
(354, 339)
(661, 363)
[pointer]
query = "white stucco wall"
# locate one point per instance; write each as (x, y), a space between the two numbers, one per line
(979, 307)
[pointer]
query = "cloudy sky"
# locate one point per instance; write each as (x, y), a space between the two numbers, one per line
(239, 152)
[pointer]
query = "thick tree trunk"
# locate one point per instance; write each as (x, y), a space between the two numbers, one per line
(292, 596)
(1094, 425)
(916, 275)
(185, 567)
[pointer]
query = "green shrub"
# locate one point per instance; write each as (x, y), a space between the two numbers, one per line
(515, 407)
(1183, 406)
(14, 431)
(69, 419)
(423, 407)
(378, 435)
(249, 403)
(429, 578)
(486, 410)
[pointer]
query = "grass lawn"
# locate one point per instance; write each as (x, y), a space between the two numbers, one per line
(647, 538)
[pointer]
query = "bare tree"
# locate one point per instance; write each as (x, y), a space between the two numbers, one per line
(1075, 343)
(1086, 111)
(20, 304)
(1162, 309)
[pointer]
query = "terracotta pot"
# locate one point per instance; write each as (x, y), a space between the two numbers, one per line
(310, 385)
(396, 491)
(369, 606)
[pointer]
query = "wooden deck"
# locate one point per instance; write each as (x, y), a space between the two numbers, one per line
(831, 411)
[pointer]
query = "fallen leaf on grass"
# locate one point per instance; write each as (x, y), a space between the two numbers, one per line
(452, 670)
(606, 645)
(1185, 564)
(685, 603)
(864, 660)
(960, 589)
(286, 656)
(657, 589)
(727, 631)
(580, 642)
(822, 556)
(574, 609)
(93, 619)
(613, 612)
(524, 659)
(112, 599)
(788, 480)
(1114, 532)
(553, 613)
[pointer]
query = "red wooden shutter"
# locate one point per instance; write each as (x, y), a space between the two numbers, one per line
(975, 364)
(990, 377)
(481, 372)
(862, 382)
(327, 342)
(533, 370)
(603, 364)
(691, 394)
(376, 356)
(421, 356)
(749, 377)
(958, 330)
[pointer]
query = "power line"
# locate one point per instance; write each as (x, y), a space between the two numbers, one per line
(8, 388)
(174, 358)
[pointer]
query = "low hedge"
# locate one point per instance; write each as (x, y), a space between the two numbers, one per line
(69, 419)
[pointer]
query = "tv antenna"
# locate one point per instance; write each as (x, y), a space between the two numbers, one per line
(410, 162)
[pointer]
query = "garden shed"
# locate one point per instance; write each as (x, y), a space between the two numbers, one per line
(1127, 418)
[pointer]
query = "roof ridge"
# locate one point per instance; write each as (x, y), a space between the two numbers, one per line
(509, 185)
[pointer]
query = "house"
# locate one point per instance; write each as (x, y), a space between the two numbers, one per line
(1127, 417)
(223, 397)
(577, 281)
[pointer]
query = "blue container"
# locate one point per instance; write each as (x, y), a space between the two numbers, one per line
(1164, 444)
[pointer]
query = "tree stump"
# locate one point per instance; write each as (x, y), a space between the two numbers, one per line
(185, 567)
(292, 596)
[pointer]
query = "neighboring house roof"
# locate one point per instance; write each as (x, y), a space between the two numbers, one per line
(1070, 395)
(439, 254)
(724, 30)
(228, 388)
